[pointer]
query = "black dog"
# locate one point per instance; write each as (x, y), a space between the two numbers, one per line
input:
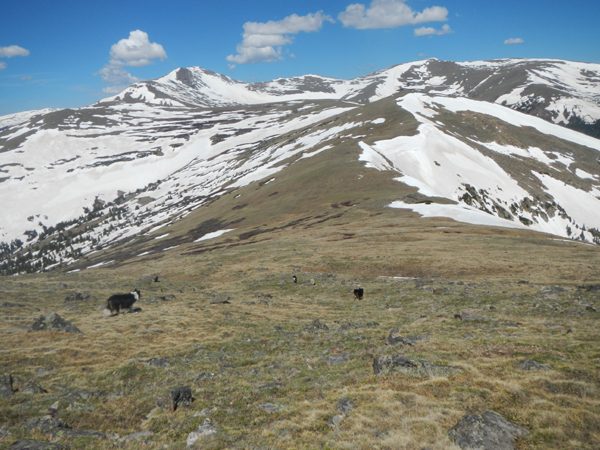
(358, 293)
(117, 302)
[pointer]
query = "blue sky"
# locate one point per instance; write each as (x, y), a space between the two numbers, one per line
(67, 54)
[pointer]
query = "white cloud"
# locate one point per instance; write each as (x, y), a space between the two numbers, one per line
(389, 14)
(13, 50)
(135, 51)
(514, 41)
(428, 31)
(10, 51)
(262, 42)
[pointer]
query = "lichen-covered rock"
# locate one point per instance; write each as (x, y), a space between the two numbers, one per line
(53, 322)
(206, 429)
(528, 364)
(80, 297)
(6, 386)
(32, 387)
(395, 338)
(45, 425)
(316, 326)
(30, 444)
(344, 405)
(384, 365)
(487, 431)
(179, 396)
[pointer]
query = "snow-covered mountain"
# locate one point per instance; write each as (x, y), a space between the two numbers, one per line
(563, 92)
(493, 143)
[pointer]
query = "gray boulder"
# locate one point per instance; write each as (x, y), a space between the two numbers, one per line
(79, 297)
(488, 431)
(179, 396)
(206, 429)
(315, 326)
(344, 405)
(384, 365)
(30, 444)
(6, 386)
(528, 364)
(32, 387)
(53, 322)
(395, 338)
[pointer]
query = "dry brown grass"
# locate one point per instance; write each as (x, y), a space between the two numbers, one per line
(250, 342)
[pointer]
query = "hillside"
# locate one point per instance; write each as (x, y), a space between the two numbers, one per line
(77, 181)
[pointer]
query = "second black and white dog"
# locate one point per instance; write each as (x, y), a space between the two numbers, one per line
(117, 302)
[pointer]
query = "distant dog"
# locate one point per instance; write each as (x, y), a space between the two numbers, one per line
(358, 293)
(117, 302)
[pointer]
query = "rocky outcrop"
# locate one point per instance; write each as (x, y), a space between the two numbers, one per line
(6, 386)
(206, 429)
(385, 365)
(53, 322)
(487, 431)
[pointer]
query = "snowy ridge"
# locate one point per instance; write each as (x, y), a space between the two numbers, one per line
(563, 92)
(74, 181)
(442, 165)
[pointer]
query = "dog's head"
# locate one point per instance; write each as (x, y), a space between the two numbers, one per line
(139, 294)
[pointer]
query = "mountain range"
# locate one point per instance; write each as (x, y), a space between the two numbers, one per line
(507, 143)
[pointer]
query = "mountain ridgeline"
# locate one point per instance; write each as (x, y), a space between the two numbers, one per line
(507, 143)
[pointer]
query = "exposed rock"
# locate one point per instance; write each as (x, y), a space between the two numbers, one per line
(220, 300)
(45, 425)
(6, 386)
(270, 407)
(274, 384)
(11, 305)
(395, 338)
(488, 431)
(32, 388)
(315, 326)
(335, 420)
(528, 364)
(383, 365)
(206, 429)
(335, 360)
(53, 322)
(43, 371)
(30, 444)
(164, 298)
(81, 394)
(344, 405)
(181, 396)
(157, 362)
(136, 436)
(205, 412)
(205, 376)
(79, 297)
(149, 278)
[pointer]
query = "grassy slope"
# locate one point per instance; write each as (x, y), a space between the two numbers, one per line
(323, 218)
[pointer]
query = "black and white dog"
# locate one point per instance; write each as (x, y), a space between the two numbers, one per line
(358, 293)
(117, 302)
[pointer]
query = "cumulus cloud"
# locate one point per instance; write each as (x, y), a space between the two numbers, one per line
(10, 51)
(262, 42)
(389, 14)
(514, 41)
(135, 51)
(429, 31)
(13, 50)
